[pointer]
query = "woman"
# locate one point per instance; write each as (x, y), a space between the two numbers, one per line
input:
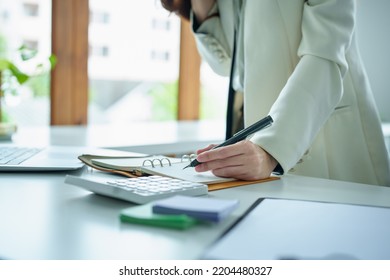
(297, 61)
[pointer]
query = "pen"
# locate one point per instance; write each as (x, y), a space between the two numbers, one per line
(241, 135)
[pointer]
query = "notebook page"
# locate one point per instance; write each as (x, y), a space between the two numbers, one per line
(132, 163)
(176, 171)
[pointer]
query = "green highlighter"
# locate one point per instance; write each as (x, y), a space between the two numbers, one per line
(144, 215)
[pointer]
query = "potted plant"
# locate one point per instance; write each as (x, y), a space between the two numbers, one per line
(11, 78)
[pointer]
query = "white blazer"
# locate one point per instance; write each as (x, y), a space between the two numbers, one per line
(302, 66)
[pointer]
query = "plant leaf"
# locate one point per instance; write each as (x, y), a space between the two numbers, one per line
(4, 64)
(53, 61)
(27, 53)
(19, 75)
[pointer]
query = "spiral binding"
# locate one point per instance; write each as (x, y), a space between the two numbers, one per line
(190, 157)
(156, 160)
(165, 161)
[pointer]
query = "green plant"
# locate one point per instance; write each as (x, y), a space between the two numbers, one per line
(165, 101)
(11, 77)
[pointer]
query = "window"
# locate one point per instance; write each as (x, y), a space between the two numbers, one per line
(31, 44)
(160, 55)
(214, 94)
(161, 24)
(31, 9)
(4, 16)
(134, 65)
(134, 53)
(100, 17)
(27, 23)
(99, 51)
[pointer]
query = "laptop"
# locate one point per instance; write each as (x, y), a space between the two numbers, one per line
(50, 158)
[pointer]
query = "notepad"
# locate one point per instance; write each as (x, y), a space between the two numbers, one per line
(189, 174)
(160, 165)
(202, 208)
(129, 164)
(143, 165)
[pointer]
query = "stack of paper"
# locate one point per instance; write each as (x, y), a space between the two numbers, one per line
(201, 208)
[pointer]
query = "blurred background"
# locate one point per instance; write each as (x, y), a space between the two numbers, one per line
(133, 61)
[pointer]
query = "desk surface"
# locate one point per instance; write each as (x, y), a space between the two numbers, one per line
(142, 137)
(43, 218)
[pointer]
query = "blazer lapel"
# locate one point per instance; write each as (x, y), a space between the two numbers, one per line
(226, 10)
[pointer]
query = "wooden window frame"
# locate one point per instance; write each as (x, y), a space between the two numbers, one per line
(69, 79)
(189, 75)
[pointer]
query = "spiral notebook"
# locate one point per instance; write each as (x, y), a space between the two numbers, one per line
(160, 165)
(163, 166)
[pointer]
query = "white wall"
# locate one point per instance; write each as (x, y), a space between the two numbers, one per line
(373, 21)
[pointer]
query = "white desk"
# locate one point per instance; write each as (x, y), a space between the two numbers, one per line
(143, 137)
(43, 218)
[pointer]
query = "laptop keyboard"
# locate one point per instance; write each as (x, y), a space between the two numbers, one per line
(16, 155)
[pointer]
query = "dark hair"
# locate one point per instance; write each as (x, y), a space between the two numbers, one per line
(180, 7)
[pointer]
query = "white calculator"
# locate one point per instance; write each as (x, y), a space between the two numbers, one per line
(138, 190)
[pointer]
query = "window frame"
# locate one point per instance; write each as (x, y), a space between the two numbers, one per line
(69, 79)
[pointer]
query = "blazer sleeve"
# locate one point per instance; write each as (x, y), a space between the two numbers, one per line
(211, 42)
(316, 85)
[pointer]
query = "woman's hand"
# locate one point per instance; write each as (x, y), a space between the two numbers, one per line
(243, 160)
